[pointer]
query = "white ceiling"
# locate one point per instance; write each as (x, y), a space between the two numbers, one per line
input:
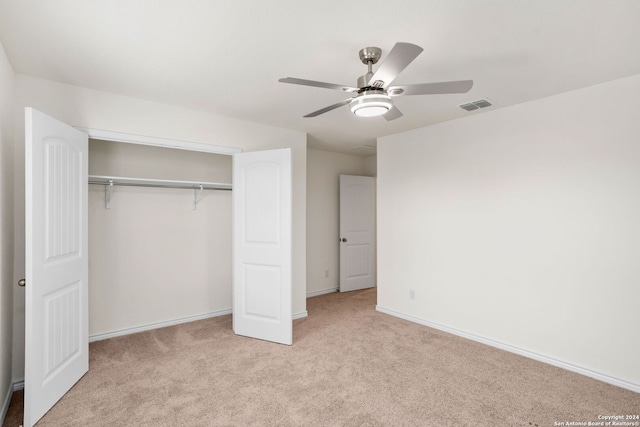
(226, 57)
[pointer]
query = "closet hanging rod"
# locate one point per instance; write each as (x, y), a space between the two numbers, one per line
(162, 183)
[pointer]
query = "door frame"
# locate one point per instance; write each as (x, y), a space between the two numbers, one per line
(174, 144)
(105, 135)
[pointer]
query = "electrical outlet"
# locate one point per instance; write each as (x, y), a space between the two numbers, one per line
(412, 294)
(326, 273)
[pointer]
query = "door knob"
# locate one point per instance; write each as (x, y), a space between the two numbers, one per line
(22, 282)
(344, 239)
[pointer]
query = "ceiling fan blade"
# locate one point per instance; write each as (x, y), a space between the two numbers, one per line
(460, 86)
(304, 82)
(392, 114)
(329, 108)
(397, 60)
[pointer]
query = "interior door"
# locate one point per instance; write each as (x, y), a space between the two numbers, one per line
(57, 334)
(262, 245)
(357, 232)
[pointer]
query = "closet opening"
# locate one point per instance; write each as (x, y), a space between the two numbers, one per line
(158, 255)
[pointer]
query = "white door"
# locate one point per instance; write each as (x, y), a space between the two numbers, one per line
(262, 245)
(357, 232)
(57, 334)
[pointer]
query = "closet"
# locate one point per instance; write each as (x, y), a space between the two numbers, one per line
(159, 241)
(162, 257)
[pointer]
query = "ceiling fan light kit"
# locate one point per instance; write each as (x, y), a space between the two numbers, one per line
(372, 96)
(371, 104)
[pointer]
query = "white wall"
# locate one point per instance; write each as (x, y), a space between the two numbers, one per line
(323, 208)
(6, 227)
(100, 110)
(521, 225)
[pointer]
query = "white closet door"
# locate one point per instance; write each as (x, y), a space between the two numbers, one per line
(57, 333)
(262, 245)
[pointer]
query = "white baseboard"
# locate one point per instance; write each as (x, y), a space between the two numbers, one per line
(300, 315)
(13, 387)
(321, 292)
(5, 404)
(526, 353)
(157, 325)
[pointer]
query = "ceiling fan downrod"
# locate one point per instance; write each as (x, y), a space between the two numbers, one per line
(368, 56)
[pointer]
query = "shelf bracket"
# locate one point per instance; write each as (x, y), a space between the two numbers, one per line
(107, 194)
(195, 196)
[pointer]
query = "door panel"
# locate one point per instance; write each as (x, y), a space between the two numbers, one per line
(56, 322)
(357, 232)
(262, 245)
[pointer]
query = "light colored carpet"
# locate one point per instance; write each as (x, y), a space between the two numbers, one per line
(349, 366)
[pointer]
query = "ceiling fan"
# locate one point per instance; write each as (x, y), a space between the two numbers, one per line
(373, 94)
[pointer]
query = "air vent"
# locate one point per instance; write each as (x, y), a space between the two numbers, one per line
(475, 105)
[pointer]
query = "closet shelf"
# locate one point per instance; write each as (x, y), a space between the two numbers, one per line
(110, 181)
(164, 183)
